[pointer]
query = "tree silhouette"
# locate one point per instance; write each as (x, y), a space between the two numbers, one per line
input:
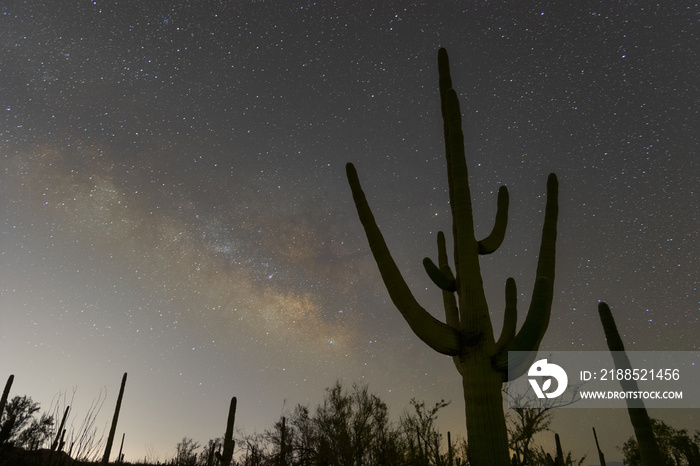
(676, 446)
(19, 427)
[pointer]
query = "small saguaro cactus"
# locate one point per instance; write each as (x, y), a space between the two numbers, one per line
(120, 456)
(226, 457)
(59, 442)
(113, 429)
(450, 462)
(467, 334)
(641, 423)
(6, 393)
(56, 441)
(283, 443)
(601, 456)
(559, 459)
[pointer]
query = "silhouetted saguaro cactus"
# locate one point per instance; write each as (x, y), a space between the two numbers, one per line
(62, 442)
(283, 442)
(601, 456)
(648, 448)
(56, 441)
(113, 429)
(226, 457)
(210, 456)
(6, 393)
(450, 461)
(559, 459)
(59, 441)
(467, 334)
(121, 447)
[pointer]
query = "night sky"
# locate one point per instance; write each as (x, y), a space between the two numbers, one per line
(174, 203)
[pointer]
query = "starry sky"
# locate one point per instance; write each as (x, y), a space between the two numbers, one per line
(174, 203)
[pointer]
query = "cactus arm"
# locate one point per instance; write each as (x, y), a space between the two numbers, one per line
(448, 297)
(439, 336)
(530, 334)
(648, 448)
(537, 320)
(510, 316)
(495, 238)
(528, 337)
(442, 278)
(441, 275)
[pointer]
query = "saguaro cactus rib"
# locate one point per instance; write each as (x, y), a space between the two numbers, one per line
(467, 334)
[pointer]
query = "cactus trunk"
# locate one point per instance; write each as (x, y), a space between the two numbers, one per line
(486, 424)
(467, 334)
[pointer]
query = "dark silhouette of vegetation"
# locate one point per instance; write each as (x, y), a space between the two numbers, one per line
(541, 458)
(525, 423)
(186, 452)
(21, 428)
(27, 436)
(676, 446)
(349, 428)
(84, 443)
(467, 334)
(641, 422)
(425, 447)
(353, 428)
